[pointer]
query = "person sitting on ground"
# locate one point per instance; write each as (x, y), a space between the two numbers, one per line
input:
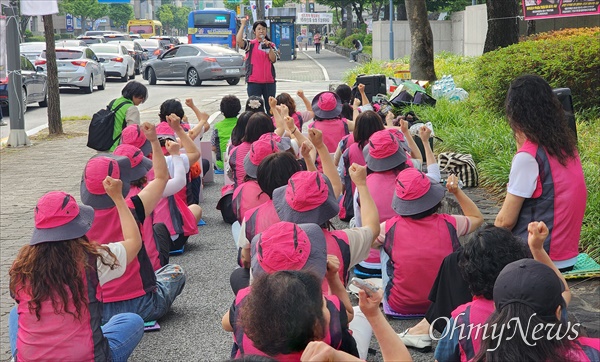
(327, 107)
(358, 48)
(534, 293)
(55, 280)
(546, 179)
(140, 290)
(255, 104)
(133, 94)
(482, 258)
(417, 239)
(299, 117)
(230, 108)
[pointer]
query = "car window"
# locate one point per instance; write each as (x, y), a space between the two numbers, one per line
(137, 47)
(26, 64)
(124, 50)
(187, 52)
(105, 48)
(63, 54)
(91, 55)
(171, 53)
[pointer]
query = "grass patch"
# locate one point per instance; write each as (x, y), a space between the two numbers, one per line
(478, 125)
(44, 136)
(76, 118)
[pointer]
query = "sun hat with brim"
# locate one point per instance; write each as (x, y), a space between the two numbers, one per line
(163, 130)
(140, 164)
(258, 151)
(383, 152)
(288, 246)
(400, 136)
(97, 168)
(284, 143)
(59, 217)
(415, 193)
(133, 135)
(532, 283)
(327, 105)
(307, 198)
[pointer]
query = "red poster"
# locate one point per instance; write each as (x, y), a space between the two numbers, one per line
(545, 9)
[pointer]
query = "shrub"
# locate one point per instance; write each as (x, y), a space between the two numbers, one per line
(368, 40)
(35, 38)
(570, 60)
(347, 42)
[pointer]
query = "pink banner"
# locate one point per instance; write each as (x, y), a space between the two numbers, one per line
(546, 9)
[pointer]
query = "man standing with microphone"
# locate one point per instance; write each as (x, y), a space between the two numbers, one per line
(260, 57)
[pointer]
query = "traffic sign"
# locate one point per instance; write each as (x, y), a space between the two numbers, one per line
(69, 22)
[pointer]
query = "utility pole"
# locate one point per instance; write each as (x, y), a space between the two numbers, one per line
(260, 9)
(391, 30)
(18, 136)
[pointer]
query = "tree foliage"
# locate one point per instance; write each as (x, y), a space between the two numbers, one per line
(84, 9)
(181, 18)
(120, 14)
(166, 16)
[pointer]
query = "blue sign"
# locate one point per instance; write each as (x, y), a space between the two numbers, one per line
(69, 21)
(114, 1)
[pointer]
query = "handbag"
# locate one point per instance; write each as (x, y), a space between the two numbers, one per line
(462, 165)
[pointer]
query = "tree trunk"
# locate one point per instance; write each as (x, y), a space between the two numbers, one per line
(530, 27)
(349, 19)
(375, 9)
(260, 9)
(421, 56)
(401, 12)
(503, 24)
(359, 10)
(54, 118)
(23, 26)
(386, 13)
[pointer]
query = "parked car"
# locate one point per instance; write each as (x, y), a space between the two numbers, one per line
(171, 40)
(34, 90)
(32, 50)
(117, 61)
(194, 63)
(78, 67)
(182, 39)
(70, 43)
(135, 36)
(92, 39)
(116, 36)
(136, 51)
(100, 32)
(152, 47)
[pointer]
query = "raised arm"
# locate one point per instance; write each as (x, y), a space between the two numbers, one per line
(433, 170)
(316, 138)
(538, 232)
(307, 103)
(132, 240)
(239, 38)
(368, 209)
(152, 193)
(467, 205)
(363, 96)
(178, 180)
(414, 149)
(202, 125)
(335, 285)
(190, 147)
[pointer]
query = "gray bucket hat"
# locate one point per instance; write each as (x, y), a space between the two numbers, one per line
(383, 152)
(415, 193)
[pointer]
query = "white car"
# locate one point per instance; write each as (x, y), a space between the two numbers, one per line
(77, 67)
(117, 61)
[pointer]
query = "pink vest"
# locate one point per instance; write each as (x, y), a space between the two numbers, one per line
(558, 200)
(587, 349)
(244, 346)
(338, 245)
(260, 218)
(333, 131)
(56, 337)
(381, 185)
(259, 68)
(176, 215)
(139, 277)
(236, 161)
(474, 313)
(298, 121)
(247, 196)
(351, 153)
(416, 249)
(147, 230)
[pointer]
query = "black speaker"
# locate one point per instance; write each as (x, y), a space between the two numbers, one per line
(374, 84)
(564, 96)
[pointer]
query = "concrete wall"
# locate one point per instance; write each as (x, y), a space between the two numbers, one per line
(463, 34)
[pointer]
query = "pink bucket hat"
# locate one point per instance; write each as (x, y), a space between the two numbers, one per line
(133, 135)
(327, 105)
(58, 217)
(97, 168)
(140, 164)
(287, 246)
(163, 130)
(258, 151)
(284, 143)
(415, 193)
(383, 152)
(400, 136)
(307, 198)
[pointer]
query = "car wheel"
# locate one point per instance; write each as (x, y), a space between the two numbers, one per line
(233, 81)
(103, 85)
(24, 100)
(124, 78)
(90, 88)
(193, 78)
(151, 76)
(44, 103)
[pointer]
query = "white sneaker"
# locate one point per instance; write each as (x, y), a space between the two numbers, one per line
(351, 61)
(420, 342)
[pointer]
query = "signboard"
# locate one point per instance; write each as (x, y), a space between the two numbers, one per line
(210, 32)
(546, 9)
(69, 23)
(315, 18)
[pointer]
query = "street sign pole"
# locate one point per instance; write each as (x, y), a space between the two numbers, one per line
(17, 136)
(391, 30)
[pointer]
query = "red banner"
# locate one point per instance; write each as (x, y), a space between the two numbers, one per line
(546, 9)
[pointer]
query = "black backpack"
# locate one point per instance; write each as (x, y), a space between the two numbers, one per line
(102, 126)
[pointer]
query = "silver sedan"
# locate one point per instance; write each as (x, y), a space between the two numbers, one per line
(194, 63)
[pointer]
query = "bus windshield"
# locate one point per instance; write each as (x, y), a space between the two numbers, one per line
(141, 29)
(211, 20)
(212, 26)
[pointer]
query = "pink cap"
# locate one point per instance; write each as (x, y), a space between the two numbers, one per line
(270, 136)
(96, 171)
(286, 247)
(134, 154)
(306, 191)
(327, 101)
(382, 144)
(54, 209)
